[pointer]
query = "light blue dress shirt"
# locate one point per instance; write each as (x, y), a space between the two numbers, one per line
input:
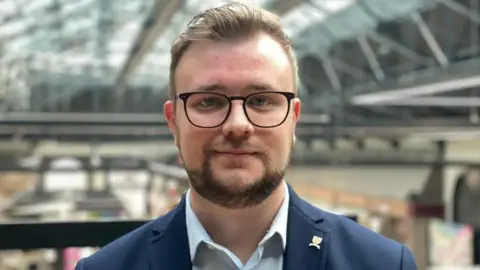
(208, 255)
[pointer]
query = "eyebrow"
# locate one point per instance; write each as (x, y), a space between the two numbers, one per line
(223, 88)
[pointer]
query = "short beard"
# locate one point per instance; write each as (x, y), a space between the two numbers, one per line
(216, 191)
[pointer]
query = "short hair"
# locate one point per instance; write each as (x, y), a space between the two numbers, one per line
(230, 22)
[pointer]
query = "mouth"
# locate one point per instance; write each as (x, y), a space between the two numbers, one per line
(235, 153)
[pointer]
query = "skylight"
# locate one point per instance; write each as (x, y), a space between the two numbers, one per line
(316, 11)
(332, 6)
(8, 8)
(342, 19)
(300, 17)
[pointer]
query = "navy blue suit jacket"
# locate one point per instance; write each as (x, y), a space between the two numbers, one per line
(162, 244)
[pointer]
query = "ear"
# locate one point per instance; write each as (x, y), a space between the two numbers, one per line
(297, 107)
(169, 112)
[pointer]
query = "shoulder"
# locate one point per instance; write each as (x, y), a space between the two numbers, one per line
(127, 250)
(360, 237)
(362, 246)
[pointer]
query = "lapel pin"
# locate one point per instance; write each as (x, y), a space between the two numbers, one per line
(316, 241)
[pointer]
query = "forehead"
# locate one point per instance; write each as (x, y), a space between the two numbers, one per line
(259, 60)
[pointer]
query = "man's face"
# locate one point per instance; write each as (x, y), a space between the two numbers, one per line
(236, 164)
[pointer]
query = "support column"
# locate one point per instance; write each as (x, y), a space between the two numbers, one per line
(426, 206)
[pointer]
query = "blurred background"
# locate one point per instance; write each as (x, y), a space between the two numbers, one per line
(390, 129)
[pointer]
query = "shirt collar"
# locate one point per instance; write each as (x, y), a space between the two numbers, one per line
(197, 233)
(279, 224)
(195, 230)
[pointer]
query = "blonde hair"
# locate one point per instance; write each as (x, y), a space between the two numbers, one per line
(230, 22)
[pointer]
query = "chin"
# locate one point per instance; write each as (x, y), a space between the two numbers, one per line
(251, 164)
(239, 178)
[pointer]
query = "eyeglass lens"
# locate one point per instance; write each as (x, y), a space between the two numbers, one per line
(211, 109)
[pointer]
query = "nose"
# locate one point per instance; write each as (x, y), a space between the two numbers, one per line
(237, 123)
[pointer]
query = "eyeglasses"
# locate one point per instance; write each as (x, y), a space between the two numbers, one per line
(211, 109)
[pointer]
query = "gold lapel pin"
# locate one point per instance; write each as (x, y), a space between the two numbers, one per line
(316, 241)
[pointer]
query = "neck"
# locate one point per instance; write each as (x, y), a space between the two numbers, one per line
(239, 230)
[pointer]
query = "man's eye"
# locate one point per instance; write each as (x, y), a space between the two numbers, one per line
(211, 102)
(208, 102)
(257, 102)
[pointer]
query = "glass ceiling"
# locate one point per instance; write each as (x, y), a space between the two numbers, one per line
(320, 24)
(80, 42)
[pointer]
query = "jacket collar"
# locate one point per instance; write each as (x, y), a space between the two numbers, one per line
(308, 236)
(169, 248)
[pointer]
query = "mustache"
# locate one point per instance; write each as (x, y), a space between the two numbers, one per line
(229, 148)
(235, 146)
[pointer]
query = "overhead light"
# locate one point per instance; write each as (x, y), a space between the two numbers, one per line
(391, 96)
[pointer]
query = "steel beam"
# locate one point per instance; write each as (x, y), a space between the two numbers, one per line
(430, 39)
(155, 24)
(460, 9)
(459, 102)
(458, 76)
(391, 113)
(371, 58)
(348, 162)
(159, 129)
(443, 86)
(308, 84)
(336, 100)
(69, 79)
(353, 71)
(412, 55)
(331, 73)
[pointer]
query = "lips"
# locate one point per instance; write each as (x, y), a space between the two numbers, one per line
(235, 152)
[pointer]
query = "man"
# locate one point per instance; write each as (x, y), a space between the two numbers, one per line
(233, 112)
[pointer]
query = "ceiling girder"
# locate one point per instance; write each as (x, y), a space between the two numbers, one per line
(412, 55)
(462, 10)
(155, 24)
(430, 39)
(371, 58)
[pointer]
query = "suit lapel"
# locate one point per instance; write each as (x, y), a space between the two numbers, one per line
(168, 248)
(305, 223)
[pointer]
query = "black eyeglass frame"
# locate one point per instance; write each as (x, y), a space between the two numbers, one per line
(288, 95)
